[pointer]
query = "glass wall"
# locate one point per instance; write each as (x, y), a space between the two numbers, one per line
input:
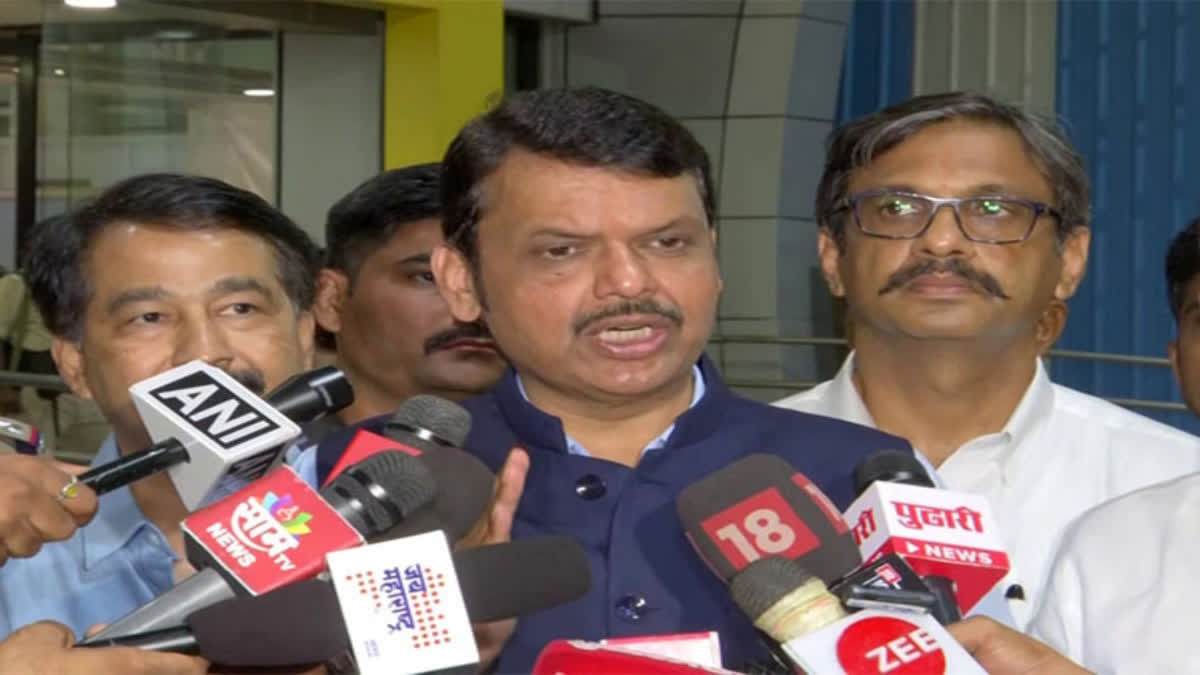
(139, 91)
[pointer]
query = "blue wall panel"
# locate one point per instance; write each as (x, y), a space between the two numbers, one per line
(878, 59)
(1124, 93)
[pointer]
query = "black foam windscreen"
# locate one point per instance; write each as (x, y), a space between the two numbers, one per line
(501, 581)
(765, 582)
(892, 466)
(433, 419)
(758, 506)
(388, 486)
(298, 624)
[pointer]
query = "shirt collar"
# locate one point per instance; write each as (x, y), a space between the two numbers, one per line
(575, 448)
(117, 519)
(1035, 407)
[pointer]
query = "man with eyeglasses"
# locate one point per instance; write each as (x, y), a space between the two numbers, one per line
(951, 224)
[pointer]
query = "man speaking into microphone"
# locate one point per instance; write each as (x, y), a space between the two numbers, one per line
(156, 271)
(579, 226)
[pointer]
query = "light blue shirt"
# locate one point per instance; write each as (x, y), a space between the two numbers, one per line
(114, 564)
(574, 447)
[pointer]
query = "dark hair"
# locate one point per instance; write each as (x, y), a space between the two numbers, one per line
(371, 213)
(58, 250)
(859, 142)
(589, 127)
(1183, 264)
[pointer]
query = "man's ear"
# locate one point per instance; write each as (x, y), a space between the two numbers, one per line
(1173, 357)
(333, 287)
(68, 356)
(456, 282)
(829, 255)
(1074, 262)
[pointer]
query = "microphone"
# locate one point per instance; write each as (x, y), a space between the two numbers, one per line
(405, 607)
(277, 530)
(949, 538)
(498, 581)
(290, 627)
(211, 432)
(25, 438)
(760, 506)
(307, 397)
(579, 657)
(815, 634)
(433, 429)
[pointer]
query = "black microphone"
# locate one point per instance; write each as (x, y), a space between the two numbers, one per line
(499, 581)
(435, 430)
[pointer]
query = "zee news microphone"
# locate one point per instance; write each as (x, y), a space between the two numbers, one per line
(278, 530)
(213, 434)
(951, 539)
(814, 632)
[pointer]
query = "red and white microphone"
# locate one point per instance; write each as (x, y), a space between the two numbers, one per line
(952, 535)
(813, 633)
(278, 530)
(433, 429)
(579, 657)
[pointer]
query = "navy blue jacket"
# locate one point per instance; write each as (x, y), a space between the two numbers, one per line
(646, 577)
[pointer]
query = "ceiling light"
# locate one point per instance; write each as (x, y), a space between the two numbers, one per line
(59, 72)
(259, 93)
(91, 4)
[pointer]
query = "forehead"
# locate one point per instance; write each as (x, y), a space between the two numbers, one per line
(530, 191)
(416, 236)
(124, 255)
(955, 155)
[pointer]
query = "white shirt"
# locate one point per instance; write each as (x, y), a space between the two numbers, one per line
(1122, 595)
(1061, 453)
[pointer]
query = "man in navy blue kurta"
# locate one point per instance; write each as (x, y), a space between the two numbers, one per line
(578, 226)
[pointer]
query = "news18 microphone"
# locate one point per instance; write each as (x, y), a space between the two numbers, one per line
(278, 530)
(815, 633)
(211, 433)
(949, 538)
(433, 429)
(759, 506)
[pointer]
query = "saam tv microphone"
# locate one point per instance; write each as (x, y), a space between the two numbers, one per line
(278, 530)
(760, 506)
(815, 634)
(433, 429)
(951, 539)
(211, 433)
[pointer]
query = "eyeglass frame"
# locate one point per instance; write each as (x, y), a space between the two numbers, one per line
(851, 202)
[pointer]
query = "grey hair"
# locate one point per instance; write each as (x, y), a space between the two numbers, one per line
(857, 143)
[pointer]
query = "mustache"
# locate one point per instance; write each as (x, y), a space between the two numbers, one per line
(982, 280)
(627, 308)
(461, 331)
(250, 378)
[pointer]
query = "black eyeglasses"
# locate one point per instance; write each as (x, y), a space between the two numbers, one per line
(890, 214)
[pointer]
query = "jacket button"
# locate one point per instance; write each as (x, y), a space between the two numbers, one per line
(631, 607)
(590, 487)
